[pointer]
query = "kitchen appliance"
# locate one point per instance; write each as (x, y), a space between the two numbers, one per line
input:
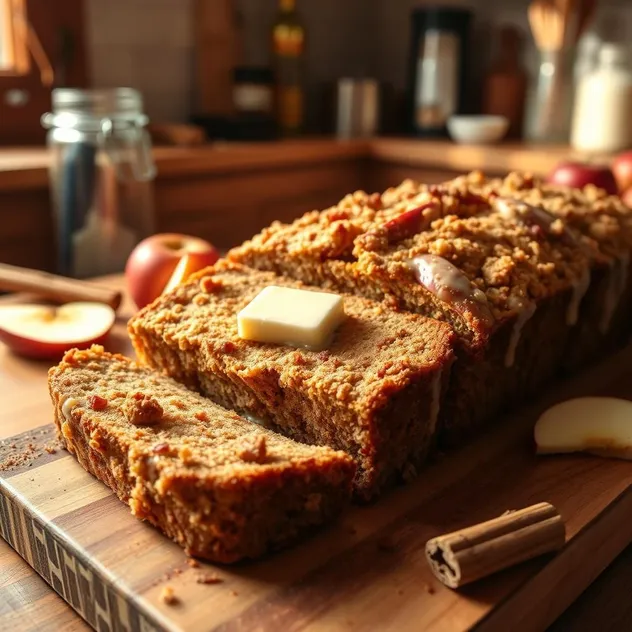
(437, 68)
(100, 171)
(357, 107)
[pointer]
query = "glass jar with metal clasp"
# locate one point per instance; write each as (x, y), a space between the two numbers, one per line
(101, 173)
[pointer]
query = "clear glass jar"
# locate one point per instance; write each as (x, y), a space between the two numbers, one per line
(602, 117)
(101, 171)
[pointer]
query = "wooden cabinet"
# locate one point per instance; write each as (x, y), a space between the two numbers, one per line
(227, 209)
(227, 192)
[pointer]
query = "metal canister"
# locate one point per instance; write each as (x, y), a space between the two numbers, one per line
(357, 107)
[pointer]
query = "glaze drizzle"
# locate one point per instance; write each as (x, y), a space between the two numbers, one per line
(450, 285)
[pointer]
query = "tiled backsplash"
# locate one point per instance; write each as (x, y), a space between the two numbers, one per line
(148, 44)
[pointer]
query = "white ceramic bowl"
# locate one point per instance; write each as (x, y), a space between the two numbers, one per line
(478, 128)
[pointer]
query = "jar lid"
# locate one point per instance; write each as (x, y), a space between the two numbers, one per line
(85, 110)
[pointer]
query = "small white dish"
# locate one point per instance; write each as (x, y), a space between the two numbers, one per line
(477, 128)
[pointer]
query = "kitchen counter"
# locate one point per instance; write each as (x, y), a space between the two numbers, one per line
(27, 167)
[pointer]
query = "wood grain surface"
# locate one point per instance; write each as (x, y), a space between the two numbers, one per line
(367, 572)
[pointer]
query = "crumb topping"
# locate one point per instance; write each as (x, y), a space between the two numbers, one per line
(517, 240)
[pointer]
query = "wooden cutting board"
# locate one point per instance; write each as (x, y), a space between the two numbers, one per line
(366, 572)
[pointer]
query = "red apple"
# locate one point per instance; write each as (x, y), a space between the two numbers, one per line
(45, 331)
(579, 174)
(622, 169)
(153, 262)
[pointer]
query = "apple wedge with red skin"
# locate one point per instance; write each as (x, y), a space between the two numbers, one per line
(405, 225)
(46, 331)
(152, 263)
(578, 174)
(451, 285)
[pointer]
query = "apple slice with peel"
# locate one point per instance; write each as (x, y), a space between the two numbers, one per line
(599, 425)
(189, 264)
(46, 331)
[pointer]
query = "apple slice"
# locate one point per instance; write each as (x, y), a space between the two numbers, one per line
(45, 331)
(190, 263)
(599, 425)
(406, 224)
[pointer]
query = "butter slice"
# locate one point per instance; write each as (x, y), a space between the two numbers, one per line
(290, 316)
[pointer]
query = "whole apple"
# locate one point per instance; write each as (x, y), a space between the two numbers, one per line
(152, 263)
(622, 169)
(578, 174)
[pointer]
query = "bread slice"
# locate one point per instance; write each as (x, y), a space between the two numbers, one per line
(375, 391)
(220, 486)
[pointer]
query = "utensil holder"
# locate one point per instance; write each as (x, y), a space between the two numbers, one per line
(550, 105)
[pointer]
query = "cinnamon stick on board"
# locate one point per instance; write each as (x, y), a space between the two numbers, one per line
(56, 288)
(475, 552)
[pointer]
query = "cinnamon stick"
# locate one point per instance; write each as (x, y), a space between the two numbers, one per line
(469, 554)
(55, 288)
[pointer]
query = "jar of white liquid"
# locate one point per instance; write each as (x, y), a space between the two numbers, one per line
(602, 116)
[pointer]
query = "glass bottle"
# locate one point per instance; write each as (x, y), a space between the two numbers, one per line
(288, 48)
(100, 171)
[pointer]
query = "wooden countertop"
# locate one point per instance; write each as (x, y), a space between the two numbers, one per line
(28, 167)
(22, 168)
(26, 602)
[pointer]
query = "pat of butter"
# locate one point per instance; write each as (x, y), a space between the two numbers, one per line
(289, 316)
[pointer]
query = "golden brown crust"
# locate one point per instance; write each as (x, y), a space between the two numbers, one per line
(186, 473)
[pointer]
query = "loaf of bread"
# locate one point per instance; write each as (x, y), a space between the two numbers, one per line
(504, 262)
(219, 485)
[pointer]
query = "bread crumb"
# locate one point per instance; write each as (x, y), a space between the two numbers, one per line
(253, 449)
(168, 596)
(428, 588)
(234, 593)
(193, 563)
(208, 578)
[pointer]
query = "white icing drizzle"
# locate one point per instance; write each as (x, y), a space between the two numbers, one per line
(617, 280)
(580, 287)
(67, 407)
(527, 312)
(451, 285)
(436, 400)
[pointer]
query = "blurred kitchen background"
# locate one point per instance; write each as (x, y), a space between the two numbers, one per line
(246, 111)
